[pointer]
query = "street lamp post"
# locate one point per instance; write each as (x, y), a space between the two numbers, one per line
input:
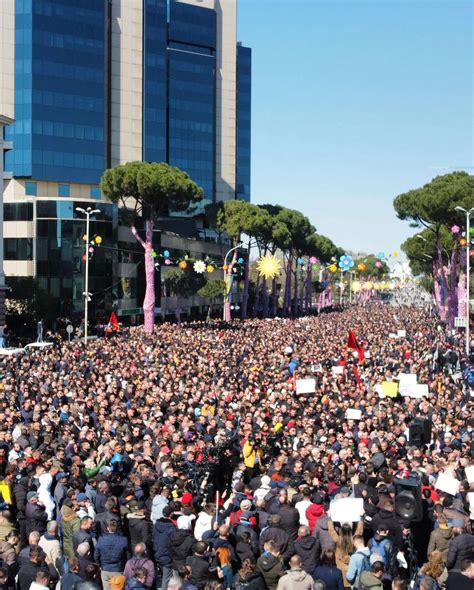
(226, 311)
(87, 212)
(468, 214)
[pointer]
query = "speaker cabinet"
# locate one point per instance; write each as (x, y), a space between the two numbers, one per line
(408, 504)
(420, 432)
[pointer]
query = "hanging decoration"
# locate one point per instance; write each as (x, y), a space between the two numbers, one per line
(356, 286)
(455, 229)
(379, 264)
(313, 260)
(381, 256)
(199, 266)
(332, 268)
(300, 262)
(346, 262)
(395, 253)
(269, 266)
(183, 265)
(462, 242)
(361, 266)
(209, 268)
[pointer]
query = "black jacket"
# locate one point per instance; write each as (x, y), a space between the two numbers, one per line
(36, 518)
(460, 548)
(139, 530)
(395, 531)
(199, 570)
(181, 546)
(308, 549)
(162, 531)
(253, 581)
(271, 569)
(290, 520)
(28, 571)
(278, 536)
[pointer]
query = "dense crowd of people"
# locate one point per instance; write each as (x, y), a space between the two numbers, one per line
(191, 459)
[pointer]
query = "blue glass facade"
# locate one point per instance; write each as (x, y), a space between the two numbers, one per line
(154, 80)
(191, 93)
(244, 96)
(58, 134)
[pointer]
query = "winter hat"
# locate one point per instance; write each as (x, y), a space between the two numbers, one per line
(184, 523)
(31, 495)
(246, 505)
(265, 481)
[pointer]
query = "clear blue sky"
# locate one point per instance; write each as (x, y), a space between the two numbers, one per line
(355, 102)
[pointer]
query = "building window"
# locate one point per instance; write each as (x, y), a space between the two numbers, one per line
(31, 188)
(64, 190)
(18, 248)
(95, 192)
(18, 211)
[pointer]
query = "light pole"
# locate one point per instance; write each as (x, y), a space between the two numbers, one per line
(468, 272)
(226, 311)
(87, 212)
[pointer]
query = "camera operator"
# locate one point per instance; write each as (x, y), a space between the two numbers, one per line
(253, 455)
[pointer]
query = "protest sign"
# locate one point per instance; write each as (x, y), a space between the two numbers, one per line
(389, 388)
(470, 473)
(352, 414)
(407, 382)
(346, 510)
(402, 333)
(305, 386)
(447, 483)
(338, 370)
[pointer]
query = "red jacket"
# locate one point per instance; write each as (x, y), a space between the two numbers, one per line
(313, 513)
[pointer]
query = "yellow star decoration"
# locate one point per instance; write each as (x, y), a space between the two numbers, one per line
(269, 266)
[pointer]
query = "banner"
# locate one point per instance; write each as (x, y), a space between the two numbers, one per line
(346, 510)
(390, 388)
(352, 414)
(447, 483)
(305, 386)
(407, 382)
(470, 473)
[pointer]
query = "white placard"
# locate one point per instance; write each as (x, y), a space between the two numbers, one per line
(447, 483)
(393, 336)
(407, 381)
(418, 391)
(470, 473)
(352, 414)
(305, 385)
(338, 370)
(346, 510)
(379, 391)
(402, 333)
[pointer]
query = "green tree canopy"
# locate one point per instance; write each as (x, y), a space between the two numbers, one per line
(213, 289)
(435, 202)
(156, 188)
(421, 249)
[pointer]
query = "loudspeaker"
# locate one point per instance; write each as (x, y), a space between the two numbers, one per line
(420, 432)
(408, 504)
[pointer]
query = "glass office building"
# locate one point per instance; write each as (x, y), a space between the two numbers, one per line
(102, 82)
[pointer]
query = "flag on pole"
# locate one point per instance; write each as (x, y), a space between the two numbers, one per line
(113, 322)
(354, 345)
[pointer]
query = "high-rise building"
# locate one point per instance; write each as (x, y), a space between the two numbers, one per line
(96, 83)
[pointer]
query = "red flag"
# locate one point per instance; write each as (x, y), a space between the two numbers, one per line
(352, 343)
(113, 321)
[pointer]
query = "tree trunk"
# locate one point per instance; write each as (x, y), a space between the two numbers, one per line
(149, 300)
(266, 299)
(229, 279)
(245, 294)
(287, 299)
(453, 290)
(295, 291)
(274, 309)
(256, 302)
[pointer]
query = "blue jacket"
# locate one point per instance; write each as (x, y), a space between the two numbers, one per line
(111, 552)
(356, 564)
(161, 534)
(331, 575)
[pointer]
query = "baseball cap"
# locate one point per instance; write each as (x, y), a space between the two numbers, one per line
(81, 498)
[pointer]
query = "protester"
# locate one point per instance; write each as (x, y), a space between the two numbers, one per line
(193, 449)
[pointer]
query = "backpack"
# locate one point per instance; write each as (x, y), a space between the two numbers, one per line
(380, 548)
(365, 566)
